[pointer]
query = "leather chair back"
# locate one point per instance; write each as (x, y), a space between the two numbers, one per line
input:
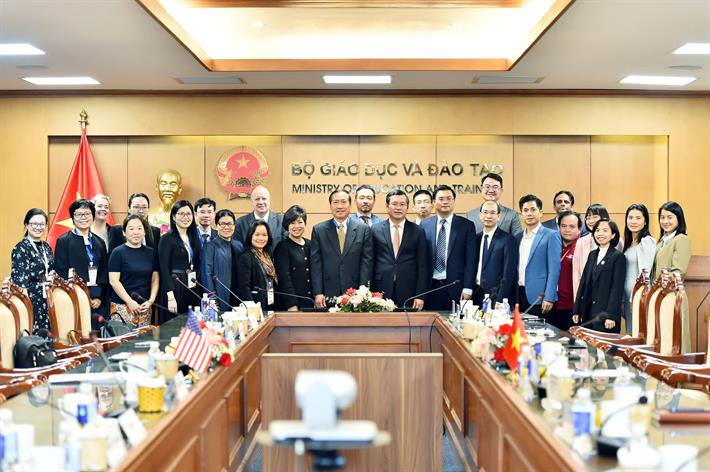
(62, 307)
(651, 307)
(83, 303)
(669, 319)
(9, 327)
(23, 304)
(638, 305)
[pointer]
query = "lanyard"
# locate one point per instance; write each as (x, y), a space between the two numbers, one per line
(89, 247)
(43, 254)
(188, 248)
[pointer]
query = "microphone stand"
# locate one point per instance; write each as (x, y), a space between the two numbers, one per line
(241, 302)
(290, 295)
(210, 292)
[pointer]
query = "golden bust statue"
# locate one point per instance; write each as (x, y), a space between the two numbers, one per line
(169, 186)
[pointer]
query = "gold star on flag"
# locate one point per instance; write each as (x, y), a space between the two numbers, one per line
(515, 340)
(242, 162)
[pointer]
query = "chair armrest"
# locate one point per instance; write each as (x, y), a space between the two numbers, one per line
(577, 331)
(76, 350)
(654, 363)
(9, 379)
(7, 391)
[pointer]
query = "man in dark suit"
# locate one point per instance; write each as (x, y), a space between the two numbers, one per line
(365, 202)
(204, 219)
(401, 257)
(261, 203)
(562, 201)
(138, 204)
(497, 258)
(452, 245)
(341, 251)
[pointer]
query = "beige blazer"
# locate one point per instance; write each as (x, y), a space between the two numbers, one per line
(675, 257)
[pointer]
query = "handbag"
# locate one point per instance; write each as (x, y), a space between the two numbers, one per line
(34, 351)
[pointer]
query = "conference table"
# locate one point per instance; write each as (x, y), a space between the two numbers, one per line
(415, 371)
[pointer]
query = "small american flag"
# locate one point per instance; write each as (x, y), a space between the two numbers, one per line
(192, 347)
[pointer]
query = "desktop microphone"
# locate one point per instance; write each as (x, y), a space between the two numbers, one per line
(600, 317)
(540, 297)
(473, 294)
(142, 299)
(608, 446)
(289, 295)
(419, 295)
(241, 302)
(177, 279)
(210, 292)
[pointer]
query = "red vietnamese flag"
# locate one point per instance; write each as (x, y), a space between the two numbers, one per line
(516, 340)
(84, 182)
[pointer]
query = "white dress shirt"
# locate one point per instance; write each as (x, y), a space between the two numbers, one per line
(480, 251)
(447, 228)
(344, 223)
(265, 218)
(525, 246)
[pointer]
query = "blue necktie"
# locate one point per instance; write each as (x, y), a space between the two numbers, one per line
(440, 257)
(485, 249)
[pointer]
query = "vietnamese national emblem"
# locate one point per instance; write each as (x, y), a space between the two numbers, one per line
(241, 169)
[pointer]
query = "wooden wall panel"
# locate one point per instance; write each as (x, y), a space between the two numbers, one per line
(546, 164)
(489, 150)
(147, 156)
(629, 169)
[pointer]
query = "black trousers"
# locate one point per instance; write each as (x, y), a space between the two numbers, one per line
(439, 300)
(524, 304)
(561, 319)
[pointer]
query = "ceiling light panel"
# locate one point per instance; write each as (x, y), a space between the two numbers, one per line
(357, 79)
(693, 48)
(657, 80)
(61, 80)
(19, 49)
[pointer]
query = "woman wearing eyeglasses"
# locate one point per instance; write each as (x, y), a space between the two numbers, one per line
(179, 256)
(221, 256)
(32, 261)
(85, 252)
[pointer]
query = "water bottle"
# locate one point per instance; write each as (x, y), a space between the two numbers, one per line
(583, 413)
(486, 304)
(506, 306)
(212, 311)
(204, 304)
(8, 440)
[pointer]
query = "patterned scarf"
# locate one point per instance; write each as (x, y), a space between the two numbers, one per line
(266, 263)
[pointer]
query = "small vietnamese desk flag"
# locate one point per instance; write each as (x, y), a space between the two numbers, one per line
(84, 182)
(515, 341)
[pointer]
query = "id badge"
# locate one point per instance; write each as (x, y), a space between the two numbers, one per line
(269, 292)
(191, 279)
(44, 289)
(93, 272)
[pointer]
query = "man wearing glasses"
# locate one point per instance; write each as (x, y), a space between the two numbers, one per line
(492, 189)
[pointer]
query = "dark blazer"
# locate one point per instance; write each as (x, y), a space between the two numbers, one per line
(70, 252)
(217, 261)
(250, 276)
(293, 267)
(374, 219)
(500, 268)
(174, 259)
(333, 273)
(244, 224)
(213, 235)
(116, 238)
(461, 257)
(406, 275)
(601, 289)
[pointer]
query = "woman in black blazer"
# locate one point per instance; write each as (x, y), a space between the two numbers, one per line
(256, 267)
(291, 258)
(601, 290)
(179, 256)
(85, 252)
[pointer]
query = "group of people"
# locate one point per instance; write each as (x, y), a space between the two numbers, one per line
(569, 269)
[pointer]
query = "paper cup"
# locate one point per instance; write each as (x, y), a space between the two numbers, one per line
(166, 365)
(151, 394)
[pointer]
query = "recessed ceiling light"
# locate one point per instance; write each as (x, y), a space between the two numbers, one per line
(693, 48)
(258, 24)
(656, 80)
(19, 49)
(61, 80)
(357, 79)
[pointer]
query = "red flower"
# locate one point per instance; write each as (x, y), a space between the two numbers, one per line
(201, 324)
(350, 292)
(343, 301)
(498, 355)
(504, 330)
(376, 294)
(225, 359)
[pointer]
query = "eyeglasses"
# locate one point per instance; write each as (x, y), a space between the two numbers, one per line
(492, 187)
(82, 215)
(139, 207)
(225, 225)
(37, 225)
(183, 214)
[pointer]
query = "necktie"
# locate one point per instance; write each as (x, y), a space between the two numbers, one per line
(365, 219)
(395, 240)
(205, 237)
(341, 237)
(440, 257)
(485, 249)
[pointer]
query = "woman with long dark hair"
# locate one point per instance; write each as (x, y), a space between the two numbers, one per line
(673, 253)
(601, 290)
(257, 272)
(639, 250)
(179, 256)
(32, 261)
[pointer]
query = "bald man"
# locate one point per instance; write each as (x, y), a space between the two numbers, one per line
(261, 204)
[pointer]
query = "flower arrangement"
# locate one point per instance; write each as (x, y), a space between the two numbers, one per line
(488, 345)
(361, 300)
(221, 353)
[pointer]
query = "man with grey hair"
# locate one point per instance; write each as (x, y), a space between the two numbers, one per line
(261, 204)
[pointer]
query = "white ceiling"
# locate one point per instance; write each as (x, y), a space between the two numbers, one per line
(592, 46)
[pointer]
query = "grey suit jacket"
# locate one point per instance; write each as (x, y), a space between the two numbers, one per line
(332, 273)
(508, 221)
(244, 224)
